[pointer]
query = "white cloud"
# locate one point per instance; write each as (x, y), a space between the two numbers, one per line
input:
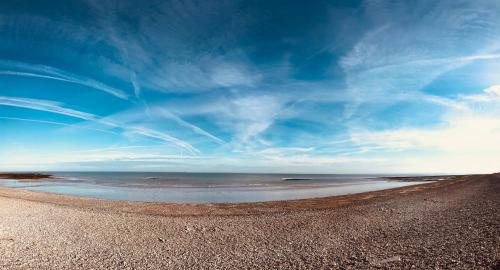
(176, 47)
(284, 151)
(490, 94)
(45, 105)
(135, 84)
(157, 116)
(163, 136)
(230, 76)
(321, 160)
(54, 123)
(466, 141)
(51, 73)
(56, 107)
(404, 53)
(194, 128)
(252, 115)
(103, 159)
(459, 135)
(201, 74)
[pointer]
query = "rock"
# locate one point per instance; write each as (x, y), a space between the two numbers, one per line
(391, 259)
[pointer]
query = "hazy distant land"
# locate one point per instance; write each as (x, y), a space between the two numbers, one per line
(25, 176)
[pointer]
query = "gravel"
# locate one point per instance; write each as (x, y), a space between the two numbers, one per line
(451, 224)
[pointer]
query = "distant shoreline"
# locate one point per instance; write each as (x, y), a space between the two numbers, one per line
(40, 176)
(26, 176)
(189, 209)
(140, 191)
(429, 178)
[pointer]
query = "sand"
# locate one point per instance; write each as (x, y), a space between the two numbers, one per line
(440, 225)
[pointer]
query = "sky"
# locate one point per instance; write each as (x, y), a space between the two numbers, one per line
(368, 86)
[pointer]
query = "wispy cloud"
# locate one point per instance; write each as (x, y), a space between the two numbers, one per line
(285, 151)
(157, 116)
(135, 84)
(490, 94)
(465, 144)
(194, 128)
(259, 90)
(45, 105)
(226, 75)
(55, 107)
(108, 159)
(322, 160)
(462, 136)
(51, 73)
(404, 54)
(175, 48)
(54, 123)
(164, 137)
(248, 116)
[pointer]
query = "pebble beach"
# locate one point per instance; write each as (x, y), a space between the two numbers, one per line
(449, 224)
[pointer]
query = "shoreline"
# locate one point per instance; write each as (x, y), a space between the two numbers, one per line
(26, 176)
(449, 224)
(243, 208)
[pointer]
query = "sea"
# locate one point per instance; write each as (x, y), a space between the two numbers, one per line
(205, 187)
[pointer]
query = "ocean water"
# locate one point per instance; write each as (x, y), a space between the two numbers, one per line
(205, 187)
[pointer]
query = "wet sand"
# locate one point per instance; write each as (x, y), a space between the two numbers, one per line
(446, 224)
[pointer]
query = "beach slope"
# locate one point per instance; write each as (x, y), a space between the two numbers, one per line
(452, 224)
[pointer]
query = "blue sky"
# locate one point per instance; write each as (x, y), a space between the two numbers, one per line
(250, 86)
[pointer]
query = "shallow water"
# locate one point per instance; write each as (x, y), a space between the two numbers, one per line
(205, 187)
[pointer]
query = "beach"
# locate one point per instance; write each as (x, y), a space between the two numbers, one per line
(448, 224)
(171, 187)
